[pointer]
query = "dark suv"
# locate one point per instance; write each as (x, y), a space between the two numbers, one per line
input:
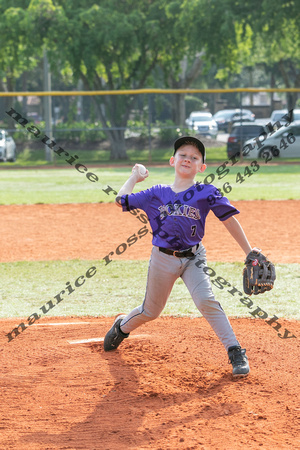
(226, 117)
(240, 134)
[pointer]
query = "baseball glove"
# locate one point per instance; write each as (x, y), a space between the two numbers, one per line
(259, 274)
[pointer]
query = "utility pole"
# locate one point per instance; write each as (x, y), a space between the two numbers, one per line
(47, 107)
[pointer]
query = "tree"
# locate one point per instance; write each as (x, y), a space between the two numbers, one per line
(276, 38)
(203, 25)
(111, 46)
(17, 53)
(281, 55)
(117, 45)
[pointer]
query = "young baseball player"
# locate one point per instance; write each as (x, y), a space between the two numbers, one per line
(177, 215)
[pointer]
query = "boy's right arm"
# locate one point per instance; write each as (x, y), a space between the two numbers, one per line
(128, 186)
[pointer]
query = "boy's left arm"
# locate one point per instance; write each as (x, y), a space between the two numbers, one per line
(237, 232)
(259, 274)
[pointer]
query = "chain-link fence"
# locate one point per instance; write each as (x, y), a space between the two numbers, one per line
(116, 123)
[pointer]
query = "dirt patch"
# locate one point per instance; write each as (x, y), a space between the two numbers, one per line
(168, 386)
(92, 231)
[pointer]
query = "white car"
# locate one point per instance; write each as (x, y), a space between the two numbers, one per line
(284, 143)
(278, 114)
(202, 123)
(7, 147)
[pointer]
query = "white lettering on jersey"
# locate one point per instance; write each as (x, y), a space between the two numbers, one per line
(179, 210)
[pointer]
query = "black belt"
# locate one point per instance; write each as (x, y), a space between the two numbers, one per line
(185, 254)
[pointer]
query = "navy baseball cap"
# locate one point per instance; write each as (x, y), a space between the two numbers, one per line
(185, 140)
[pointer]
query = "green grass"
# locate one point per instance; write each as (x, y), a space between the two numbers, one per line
(33, 158)
(30, 186)
(109, 292)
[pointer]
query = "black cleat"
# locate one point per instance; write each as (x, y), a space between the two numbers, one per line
(238, 359)
(114, 336)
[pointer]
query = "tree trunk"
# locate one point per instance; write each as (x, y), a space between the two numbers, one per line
(118, 145)
(24, 87)
(291, 97)
(251, 84)
(187, 76)
(273, 85)
(179, 110)
(115, 133)
(9, 86)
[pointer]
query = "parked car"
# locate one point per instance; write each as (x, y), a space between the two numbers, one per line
(278, 114)
(203, 123)
(34, 116)
(7, 147)
(240, 133)
(284, 143)
(226, 117)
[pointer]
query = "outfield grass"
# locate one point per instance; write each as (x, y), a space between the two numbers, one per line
(31, 158)
(110, 292)
(31, 186)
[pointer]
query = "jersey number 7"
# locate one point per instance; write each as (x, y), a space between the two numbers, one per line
(194, 229)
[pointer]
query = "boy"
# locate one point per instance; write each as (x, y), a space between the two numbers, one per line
(177, 216)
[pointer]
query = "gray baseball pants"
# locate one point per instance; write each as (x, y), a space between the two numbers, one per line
(163, 271)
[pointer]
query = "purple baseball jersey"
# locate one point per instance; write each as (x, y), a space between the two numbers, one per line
(178, 219)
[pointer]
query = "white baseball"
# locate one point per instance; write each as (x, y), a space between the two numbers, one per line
(142, 169)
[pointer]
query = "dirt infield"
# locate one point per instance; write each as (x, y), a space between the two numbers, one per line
(91, 231)
(168, 386)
